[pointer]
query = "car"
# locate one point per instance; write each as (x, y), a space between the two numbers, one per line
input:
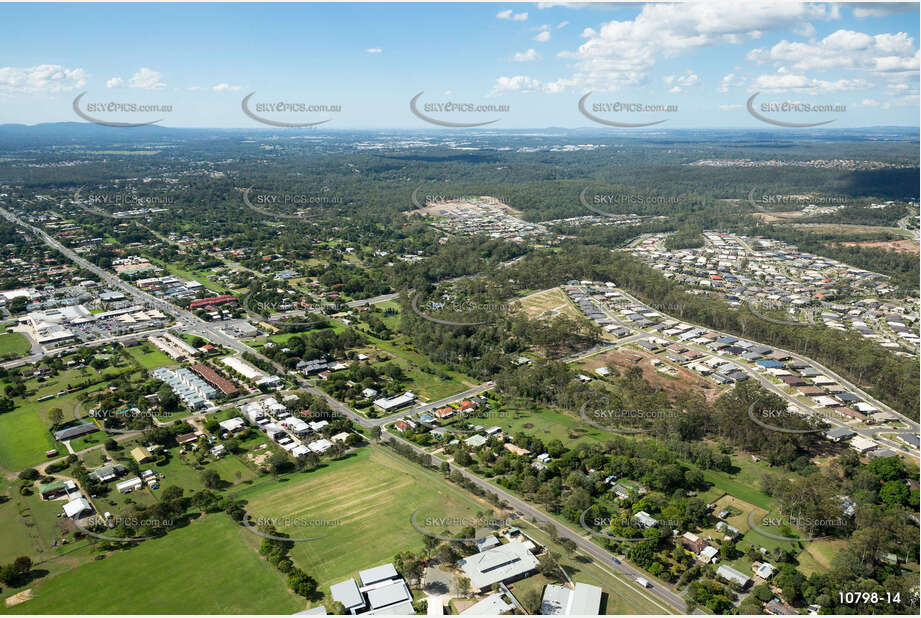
(615, 560)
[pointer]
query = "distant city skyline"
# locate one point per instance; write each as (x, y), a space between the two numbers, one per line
(692, 65)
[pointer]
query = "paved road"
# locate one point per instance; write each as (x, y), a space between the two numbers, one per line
(660, 590)
(774, 388)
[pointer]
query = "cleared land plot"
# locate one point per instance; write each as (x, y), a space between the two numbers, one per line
(13, 344)
(372, 494)
(548, 303)
(620, 359)
(899, 246)
(208, 567)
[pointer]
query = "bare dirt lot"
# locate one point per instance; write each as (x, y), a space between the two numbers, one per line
(548, 304)
(622, 358)
(899, 246)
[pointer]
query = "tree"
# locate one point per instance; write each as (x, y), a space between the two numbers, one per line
(530, 600)
(211, 479)
(376, 432)
(463, 585)
(301, 583)
(55, 415)
(894, 493)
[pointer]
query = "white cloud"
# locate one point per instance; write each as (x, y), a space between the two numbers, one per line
(147, 79)
(41, 78)
(542, 37)
(562, 24)
(845, 49)
(523, 83)
(374, 50)
(785, 81)
(223, 87)
(517, 83)
(681, 81)
(731, 80)
(526, 56)
(869, 103)
(508, 14)
(805, 30)
(115, 82)
(622, 53)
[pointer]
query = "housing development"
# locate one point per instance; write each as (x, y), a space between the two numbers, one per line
(586, 309)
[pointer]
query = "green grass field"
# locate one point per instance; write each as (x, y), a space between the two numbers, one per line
(148, 357)
(24, 438)
(209, 567)
(373, 494)
(13, 344)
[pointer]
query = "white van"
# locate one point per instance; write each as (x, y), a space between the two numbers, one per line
(642, 582)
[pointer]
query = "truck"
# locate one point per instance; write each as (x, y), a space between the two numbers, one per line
(642, 582)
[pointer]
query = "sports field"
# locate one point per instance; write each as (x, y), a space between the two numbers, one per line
(372, 495)
(13, 344)
(208, 567)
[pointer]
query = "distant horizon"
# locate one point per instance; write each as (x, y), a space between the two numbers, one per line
(516, 65)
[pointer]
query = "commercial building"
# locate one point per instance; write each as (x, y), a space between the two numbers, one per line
(505, 563)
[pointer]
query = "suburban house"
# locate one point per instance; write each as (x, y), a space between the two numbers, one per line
(388, 404)
(731, 575)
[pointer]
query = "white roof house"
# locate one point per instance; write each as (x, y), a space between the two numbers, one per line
(730, 574)
(500, 564)
(233, 424)
(393, 403)
(77, 507)
(862, 445)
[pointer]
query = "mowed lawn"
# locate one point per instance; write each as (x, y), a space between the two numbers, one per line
(208, 567)
(14, 344)
(373, 494)
(24, 438)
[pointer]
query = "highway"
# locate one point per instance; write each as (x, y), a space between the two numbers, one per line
(193, 324)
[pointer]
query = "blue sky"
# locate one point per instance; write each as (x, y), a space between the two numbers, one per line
(705, 58)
